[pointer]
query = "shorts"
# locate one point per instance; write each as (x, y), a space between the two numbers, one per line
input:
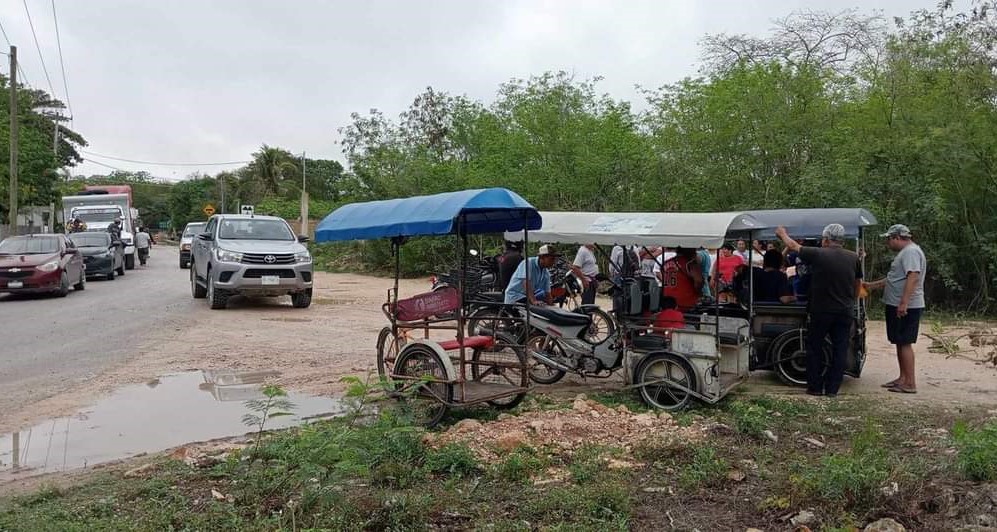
(902, 331)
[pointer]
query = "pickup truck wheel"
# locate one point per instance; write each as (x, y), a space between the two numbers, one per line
(302, 299)
(130, 262)
(217, 298)
(196, 291)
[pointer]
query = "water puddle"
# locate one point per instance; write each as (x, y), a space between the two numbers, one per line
(145, 418)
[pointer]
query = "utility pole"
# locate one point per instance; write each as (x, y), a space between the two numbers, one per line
(304, 198)
(221, 178)
(12, 214)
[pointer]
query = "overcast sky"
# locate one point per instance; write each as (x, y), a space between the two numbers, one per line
(211, 80)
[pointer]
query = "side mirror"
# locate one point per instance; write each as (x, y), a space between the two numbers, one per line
(303, 239)
(204, 236)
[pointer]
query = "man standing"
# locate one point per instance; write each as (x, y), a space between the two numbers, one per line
(586, 268)
(521, 289)
(142, 243)
(834, 289)
(509, 262)
(742, 250)
(903, 296)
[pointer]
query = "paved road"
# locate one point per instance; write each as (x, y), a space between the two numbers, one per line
(49, 343)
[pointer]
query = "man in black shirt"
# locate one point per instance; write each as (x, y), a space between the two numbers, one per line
(836, 278)
(508, 262)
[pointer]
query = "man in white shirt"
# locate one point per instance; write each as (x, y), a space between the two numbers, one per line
(586, 268)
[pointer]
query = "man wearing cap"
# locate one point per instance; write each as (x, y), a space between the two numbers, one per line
(586, 269)
(522, 289)
(836, 278)
(903, 296)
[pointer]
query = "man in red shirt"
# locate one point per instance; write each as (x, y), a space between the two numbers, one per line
(683, 278)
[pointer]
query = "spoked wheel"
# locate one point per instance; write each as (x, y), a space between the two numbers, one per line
(388, 347)
(424, 391)
(664, 381)
(541, 373)
(789, 351)
(482, 321)
(602, 327)
(505, 364)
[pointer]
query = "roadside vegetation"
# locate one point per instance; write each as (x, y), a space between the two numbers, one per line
(762, 462)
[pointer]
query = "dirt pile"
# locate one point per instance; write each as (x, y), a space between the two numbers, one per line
(562, 431)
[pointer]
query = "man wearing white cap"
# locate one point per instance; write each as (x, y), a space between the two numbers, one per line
(521, 289)
(836, 278)
(903, 296)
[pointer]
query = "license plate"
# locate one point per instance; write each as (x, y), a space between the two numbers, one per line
(271, 279)
(15, 284)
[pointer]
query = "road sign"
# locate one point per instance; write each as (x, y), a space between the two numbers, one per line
(247, 209)
(209, 209)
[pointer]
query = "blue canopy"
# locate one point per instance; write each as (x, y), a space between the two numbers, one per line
(491, 210)
(809, 223)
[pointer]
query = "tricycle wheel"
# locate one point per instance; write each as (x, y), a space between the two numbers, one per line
(388, 347)
(425, 390)
(789, 351)
(541, 373)
(665, 381)
(505, 364)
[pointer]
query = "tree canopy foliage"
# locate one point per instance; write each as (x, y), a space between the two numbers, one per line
(828, 110)
(38, 116)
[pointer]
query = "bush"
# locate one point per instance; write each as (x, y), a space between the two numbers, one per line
(452, 459)
(519, 465)
(977, 451)
(707, 468)
(851, 478)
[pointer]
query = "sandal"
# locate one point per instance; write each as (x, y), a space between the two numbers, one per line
(901, 389)
(891, 384)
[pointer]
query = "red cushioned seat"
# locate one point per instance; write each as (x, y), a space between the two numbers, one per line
(479, 342)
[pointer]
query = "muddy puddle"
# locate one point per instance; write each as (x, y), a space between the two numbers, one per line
(151, 417)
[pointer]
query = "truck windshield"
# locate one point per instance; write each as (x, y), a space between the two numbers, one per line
(193, 229)
(97, 215)
(28, 245)
(255, 229)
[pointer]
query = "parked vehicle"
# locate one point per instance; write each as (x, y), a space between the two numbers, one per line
(102, 256)
(670, 367)
(40, 264)
(429, 375)
(239, 254)
(98, 207)
(186, 240)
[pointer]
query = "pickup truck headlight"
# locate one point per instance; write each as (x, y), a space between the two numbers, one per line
(303, 257)
(49, 266)
(225, 255)
(184, 247)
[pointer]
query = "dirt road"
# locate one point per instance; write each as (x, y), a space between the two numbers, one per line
(312, 348)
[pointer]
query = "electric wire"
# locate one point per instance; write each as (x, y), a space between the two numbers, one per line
(62, 63)
(38, 47)
(122, 159)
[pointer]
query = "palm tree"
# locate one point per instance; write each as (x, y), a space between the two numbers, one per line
(271, 167)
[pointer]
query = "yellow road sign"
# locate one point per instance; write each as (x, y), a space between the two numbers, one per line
(209, 209)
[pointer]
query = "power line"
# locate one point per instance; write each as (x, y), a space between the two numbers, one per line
(102, 164)
(39, 48)
(161, 164)
(62, 64)
(24, 79)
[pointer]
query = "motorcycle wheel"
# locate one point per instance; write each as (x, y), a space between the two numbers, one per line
(541, 373)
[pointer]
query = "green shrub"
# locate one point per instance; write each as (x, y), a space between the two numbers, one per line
(976, 451)
(851, 478)
(519, 465)
(452, 459)
(707, 468)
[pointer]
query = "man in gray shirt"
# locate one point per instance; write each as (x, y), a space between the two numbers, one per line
(903, 295)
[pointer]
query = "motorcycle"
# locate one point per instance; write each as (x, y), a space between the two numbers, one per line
(480, 276)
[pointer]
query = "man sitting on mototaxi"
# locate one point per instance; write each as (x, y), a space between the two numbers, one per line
(537, 288)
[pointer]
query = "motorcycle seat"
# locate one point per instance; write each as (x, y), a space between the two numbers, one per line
(560, 317)
(497, 297)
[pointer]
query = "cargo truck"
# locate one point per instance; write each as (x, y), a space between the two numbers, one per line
(98, 206)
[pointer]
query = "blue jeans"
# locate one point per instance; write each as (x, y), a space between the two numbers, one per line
(822, 325)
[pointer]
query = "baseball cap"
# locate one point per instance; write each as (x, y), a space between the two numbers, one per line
(834, 232)
(899, 230)
(548, 249)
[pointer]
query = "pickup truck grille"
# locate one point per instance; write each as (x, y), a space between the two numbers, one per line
(261, 258)
(257, 273)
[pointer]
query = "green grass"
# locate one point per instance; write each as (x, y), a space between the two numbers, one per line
(977, 450)
(381, 475)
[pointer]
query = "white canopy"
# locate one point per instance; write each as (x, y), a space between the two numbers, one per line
(669, 229)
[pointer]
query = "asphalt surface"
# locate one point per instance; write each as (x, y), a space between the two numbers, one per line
(50, 343)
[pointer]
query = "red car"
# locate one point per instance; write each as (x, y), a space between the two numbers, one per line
(40, 264)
